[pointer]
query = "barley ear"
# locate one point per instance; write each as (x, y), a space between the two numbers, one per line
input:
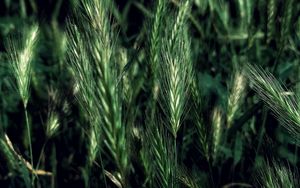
(283, 103)
(155, 49)
(176, 69)
(271, 20)
(156, 35)
(92, 50)
(21, 57)
(286, 21)
(52, 124)
(236, 96)
(217, 130)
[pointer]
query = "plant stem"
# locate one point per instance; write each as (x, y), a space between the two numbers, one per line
(33, 5)
(29, 135)
(175, 161)
(23, 9)
(262, 131)
(211, 173)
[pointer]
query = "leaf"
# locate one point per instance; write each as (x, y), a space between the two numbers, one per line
(238, 149)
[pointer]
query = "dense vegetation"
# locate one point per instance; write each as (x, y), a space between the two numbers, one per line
(138, 93)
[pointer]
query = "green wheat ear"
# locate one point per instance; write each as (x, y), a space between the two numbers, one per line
(236, 96)
(283, 103)
(155, 42)
(21, 57)
(271, 20)
(286, 21)
(92, 46)
(176, 68)
(177, 73)
(217, 132)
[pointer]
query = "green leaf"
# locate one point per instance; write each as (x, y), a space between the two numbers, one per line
(238, 149)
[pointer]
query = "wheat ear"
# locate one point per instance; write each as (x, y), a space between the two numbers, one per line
(236, 95)
(283, 103)
(176, 69)
(92, 62)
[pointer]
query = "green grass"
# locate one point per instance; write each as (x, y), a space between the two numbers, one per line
(175, 93)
